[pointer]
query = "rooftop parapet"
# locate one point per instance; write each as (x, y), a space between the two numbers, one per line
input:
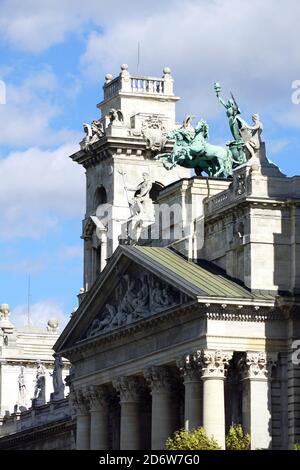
(127, 83)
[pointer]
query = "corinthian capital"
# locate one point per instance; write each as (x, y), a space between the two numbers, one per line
(79, 401)
(158, 378)
(213, 363)
(128, 388)
(97, 397)
(255, 365)
(189, 368)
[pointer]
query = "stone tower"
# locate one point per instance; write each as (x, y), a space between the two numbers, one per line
(118, 154)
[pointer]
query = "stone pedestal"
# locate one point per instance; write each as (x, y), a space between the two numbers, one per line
(159, 381)
(213, 376)
(128, 388)
(256, 399)
(193, 397)
(98, 401)
(83, 422)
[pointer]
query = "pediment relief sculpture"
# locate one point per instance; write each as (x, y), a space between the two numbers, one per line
(136, 297)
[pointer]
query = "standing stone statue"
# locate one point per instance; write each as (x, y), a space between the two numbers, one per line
(22, 392)
(58, 384)
(253, 135)
(141, 194)
(40, 384)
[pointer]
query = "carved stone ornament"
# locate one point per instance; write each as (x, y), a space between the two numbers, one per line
(135, 298)
(255, 365)
(94, 132)
(79, 401)
(128, 388)
(4, 312)
(97, 397)
(213, 363)
(154, 133)
(189, 368)
(158, 378)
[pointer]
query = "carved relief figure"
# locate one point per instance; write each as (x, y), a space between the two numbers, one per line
(135, 298)
(154, 132)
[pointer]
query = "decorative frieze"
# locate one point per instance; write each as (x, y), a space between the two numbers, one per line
(135, 298)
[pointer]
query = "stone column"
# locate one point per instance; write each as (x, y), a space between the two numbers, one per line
(159, 380)
(193, 397)
(256, 399)
(98, 401)
(83, 423)
(213, 376)
(128, 388)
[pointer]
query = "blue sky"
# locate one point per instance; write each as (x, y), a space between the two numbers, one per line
(53, 59)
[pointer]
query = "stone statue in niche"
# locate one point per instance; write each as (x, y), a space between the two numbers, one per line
(134, 299)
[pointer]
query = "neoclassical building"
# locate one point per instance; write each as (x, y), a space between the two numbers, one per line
(187, 319)
(189, 312)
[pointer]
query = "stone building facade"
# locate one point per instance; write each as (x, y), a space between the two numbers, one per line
(186, 319)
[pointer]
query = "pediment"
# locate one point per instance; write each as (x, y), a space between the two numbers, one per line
(139, 283)
(138, 295)
(128, 291)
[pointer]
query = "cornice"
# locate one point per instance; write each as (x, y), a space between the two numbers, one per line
(206, 312)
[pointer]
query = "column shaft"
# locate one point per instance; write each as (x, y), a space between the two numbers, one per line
(128, 388)
(193, 403)
(161, 427)
(83, 432)
(99, 430)
(214, 408)
(129, 438)
(256, 399)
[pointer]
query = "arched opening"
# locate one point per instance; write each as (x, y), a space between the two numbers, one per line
(100, 196)
(155, 190)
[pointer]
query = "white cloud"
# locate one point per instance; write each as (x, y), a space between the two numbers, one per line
(250, 47)
(30, 107)
(40, 313)
(37, 188)
(35, 26)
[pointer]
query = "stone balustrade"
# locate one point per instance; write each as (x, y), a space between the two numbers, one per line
(128, 83)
